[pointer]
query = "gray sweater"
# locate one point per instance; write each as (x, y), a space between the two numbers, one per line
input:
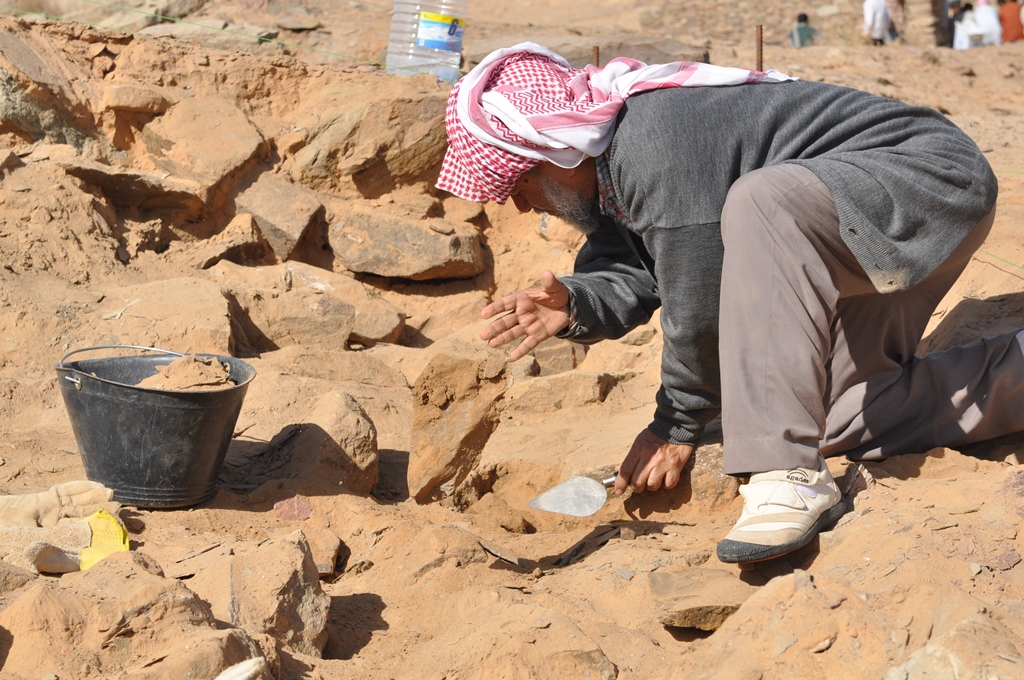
(908, 186)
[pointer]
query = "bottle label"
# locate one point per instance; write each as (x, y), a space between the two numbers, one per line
(440, 32)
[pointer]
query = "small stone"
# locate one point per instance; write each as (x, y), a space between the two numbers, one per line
(900, 636)
(627, 533)
(51, 676)
(698, 558)
(697, 598)
(975, 568)
(541, 623)
(1007, 560)
(824, 645)
(537, 572)
(293, 509)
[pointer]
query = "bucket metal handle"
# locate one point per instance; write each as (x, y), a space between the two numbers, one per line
(91, 349)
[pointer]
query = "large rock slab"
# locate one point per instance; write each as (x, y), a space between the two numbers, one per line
(285, 213)
(127, 188)
(697, 598)
(562, 390)
(374, 320)
(456, 405)
(204, 139)
(119, 618)
(372, 241)
(240, 242)
(272, 588)
(184, 315)
(367, 135)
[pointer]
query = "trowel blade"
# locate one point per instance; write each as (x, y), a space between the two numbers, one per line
(576, 496)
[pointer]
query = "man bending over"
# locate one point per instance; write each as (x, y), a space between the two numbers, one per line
(797, 237)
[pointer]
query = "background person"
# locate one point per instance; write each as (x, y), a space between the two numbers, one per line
(802, 34)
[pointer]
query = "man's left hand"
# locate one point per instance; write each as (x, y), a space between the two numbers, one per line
(652, 463)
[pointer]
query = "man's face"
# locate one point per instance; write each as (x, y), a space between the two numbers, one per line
(569, 194)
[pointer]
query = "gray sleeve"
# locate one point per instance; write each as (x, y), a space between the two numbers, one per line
(689, 271)
(612, 290)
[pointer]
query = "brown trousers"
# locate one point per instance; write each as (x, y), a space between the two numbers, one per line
(815, 360)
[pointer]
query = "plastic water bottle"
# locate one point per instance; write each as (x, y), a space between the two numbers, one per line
(426, 37)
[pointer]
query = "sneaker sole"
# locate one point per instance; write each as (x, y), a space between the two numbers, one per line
(739, 552)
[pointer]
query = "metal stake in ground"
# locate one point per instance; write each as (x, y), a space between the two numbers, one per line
(760, 33)
(597, 56)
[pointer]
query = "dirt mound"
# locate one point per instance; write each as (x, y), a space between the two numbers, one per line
(190, 373)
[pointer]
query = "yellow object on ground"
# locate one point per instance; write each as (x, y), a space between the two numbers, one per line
(109, 536)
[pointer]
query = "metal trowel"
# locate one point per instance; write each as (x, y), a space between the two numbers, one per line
(576, 496)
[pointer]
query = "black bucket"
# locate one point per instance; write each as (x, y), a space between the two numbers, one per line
(154, 448)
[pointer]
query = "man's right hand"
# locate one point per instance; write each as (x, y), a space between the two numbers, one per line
(534, 314)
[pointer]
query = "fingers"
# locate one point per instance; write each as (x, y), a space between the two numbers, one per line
(499, 326)
(524, 348)
(505, 304)
(550, 283)
(652, 463)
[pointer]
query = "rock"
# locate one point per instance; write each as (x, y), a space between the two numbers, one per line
(135, 98)
(285, 213)
(240, 242)
(126, 188)
(579, 52)
(184, 143)
(215, 33)
(293, 509)
(967, 640)
(365, 137)
(697, 598)
(129, 21)
(186, 315)
(558, 356)
(711, 486)
(375, 320)
(562, 390)
(459, 210)
(303, 317)
(297, 22)
(350, 444)
(118, 618)
(373, 242)
(332, 446)
(12, 577)
(456, 404)
(779, 624)
(339, 366)
(323, 546)
(494, 508)
(8, 159)
(270, 588)
(178, 9)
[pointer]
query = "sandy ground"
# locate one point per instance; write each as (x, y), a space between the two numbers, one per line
(414, 593)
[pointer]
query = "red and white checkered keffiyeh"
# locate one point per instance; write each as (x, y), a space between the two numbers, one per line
(525, 104)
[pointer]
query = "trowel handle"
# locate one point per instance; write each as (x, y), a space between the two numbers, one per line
(609, 481)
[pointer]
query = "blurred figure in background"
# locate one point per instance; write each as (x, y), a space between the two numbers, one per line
(987, 18)
(803, 35)
(966, 33)
(877, 20)
(1011, 16)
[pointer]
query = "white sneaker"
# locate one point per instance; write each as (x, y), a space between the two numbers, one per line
(782, 511)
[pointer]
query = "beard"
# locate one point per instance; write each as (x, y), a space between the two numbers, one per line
(577, 210)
